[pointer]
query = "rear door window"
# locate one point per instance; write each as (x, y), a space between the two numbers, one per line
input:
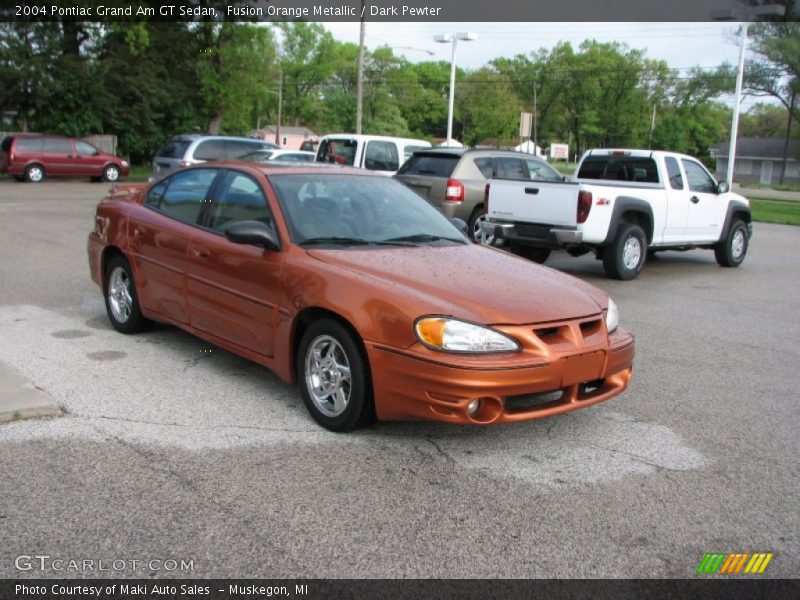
(236, 148)
(57, 146)
(674, 173)
(187, 193)
(381, 156)
(338, 152)
(539, 171)
(211, 150)
(510, 168)
(486, 166)
(434, 165)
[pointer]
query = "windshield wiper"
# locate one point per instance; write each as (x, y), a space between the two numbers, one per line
(425, 237)
(350, 241)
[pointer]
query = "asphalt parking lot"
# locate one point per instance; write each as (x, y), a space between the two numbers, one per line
(173, 450)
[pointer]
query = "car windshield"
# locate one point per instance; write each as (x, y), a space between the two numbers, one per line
(353, 210)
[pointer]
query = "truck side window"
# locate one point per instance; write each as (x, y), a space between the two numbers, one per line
(699, 180)
(674, 173)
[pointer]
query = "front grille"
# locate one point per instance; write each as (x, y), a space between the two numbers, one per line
(527, 402)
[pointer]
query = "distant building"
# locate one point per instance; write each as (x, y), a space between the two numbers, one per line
(758, 160)
(291, 138)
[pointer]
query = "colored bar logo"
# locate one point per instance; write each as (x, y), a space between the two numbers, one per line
(734, 563)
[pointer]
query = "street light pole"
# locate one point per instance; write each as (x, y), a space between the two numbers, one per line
(453, 39)
(360, 83)
(736, 104)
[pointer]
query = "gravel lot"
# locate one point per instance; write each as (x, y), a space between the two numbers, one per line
(171, 452)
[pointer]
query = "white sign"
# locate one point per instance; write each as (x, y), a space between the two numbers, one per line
(560, 151)
(525, 120)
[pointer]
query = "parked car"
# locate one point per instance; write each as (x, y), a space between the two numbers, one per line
(623, 205)
(193, 149)
(35, 157)
(279, 155)
(378, 153)
(454, 179)
(353, 286)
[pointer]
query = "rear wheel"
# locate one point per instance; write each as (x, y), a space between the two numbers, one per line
(476, 221)
(122, 302)
(334, 376)
(35, 173)
(625, 256)
(730, 252)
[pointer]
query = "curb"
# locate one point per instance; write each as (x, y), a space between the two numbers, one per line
(19, 399)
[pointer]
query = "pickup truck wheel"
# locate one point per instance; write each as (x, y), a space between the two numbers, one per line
(625, 256)
(122, 302)
(730, 252)
(537, 255)
(334, 377)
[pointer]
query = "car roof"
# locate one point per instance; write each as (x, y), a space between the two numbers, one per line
(383, 138)
(279, 167)
(443, 151)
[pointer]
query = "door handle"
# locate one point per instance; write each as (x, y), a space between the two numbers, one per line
(200, 252)
(138, 233)
(694, 199)
(532, 190)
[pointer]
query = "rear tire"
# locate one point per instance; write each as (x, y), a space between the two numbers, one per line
(730, 252)
(537, 255)
(334, 376)
(476, 219)
(624, 258)
(35, 174)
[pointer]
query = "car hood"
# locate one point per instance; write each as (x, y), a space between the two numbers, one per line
(471, 282)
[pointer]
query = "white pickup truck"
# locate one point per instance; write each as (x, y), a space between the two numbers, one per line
(622, 205)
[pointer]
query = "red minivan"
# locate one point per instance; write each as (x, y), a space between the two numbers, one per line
(34, 157)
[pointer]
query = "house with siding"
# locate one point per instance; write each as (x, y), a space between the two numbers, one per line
(758, 160)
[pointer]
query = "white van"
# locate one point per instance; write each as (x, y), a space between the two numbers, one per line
(378, 153)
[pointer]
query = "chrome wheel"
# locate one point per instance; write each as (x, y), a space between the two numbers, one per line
(737, 244)
(120, 299)
(111, 174)
(631, 253)
(35, 174)
(327, 372)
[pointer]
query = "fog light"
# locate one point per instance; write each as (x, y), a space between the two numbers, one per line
(473, 407)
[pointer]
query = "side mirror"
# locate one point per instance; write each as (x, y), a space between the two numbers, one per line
(723, 187)
(253, 232)
(460, 223)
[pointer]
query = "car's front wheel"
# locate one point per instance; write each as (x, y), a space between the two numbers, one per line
(122, 302)
(111, 173)
(625, 256)
(334, 376)
(730, 252)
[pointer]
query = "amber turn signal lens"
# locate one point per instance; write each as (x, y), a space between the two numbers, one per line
(431, 331)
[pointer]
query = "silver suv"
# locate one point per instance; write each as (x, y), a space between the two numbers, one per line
(185, 150)
(454, 179)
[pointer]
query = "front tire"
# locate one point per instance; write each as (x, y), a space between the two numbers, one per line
(730, 252)
(624, 258)
(35, 174)
(334, 376)
(122, 302)
(111, 173)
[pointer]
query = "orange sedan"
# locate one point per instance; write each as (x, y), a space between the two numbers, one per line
(356, 288)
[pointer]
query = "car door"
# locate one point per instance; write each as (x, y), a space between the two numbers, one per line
(233, 289)
(58, 156)
(706, 210)
(677, 203)
(159, 239)
(89, 160)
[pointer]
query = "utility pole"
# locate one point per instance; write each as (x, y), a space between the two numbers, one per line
(535, 123)
(280, 106)
(360, 85)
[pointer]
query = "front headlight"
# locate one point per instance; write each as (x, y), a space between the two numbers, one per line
(612, 316)
(452, 335)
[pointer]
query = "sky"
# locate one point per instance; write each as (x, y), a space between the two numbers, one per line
(681, 45)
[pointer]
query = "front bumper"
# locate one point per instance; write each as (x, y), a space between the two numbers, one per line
(410, 387)
(545, 236)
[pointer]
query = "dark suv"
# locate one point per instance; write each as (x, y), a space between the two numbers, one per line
(34, 157)
(454, 179)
